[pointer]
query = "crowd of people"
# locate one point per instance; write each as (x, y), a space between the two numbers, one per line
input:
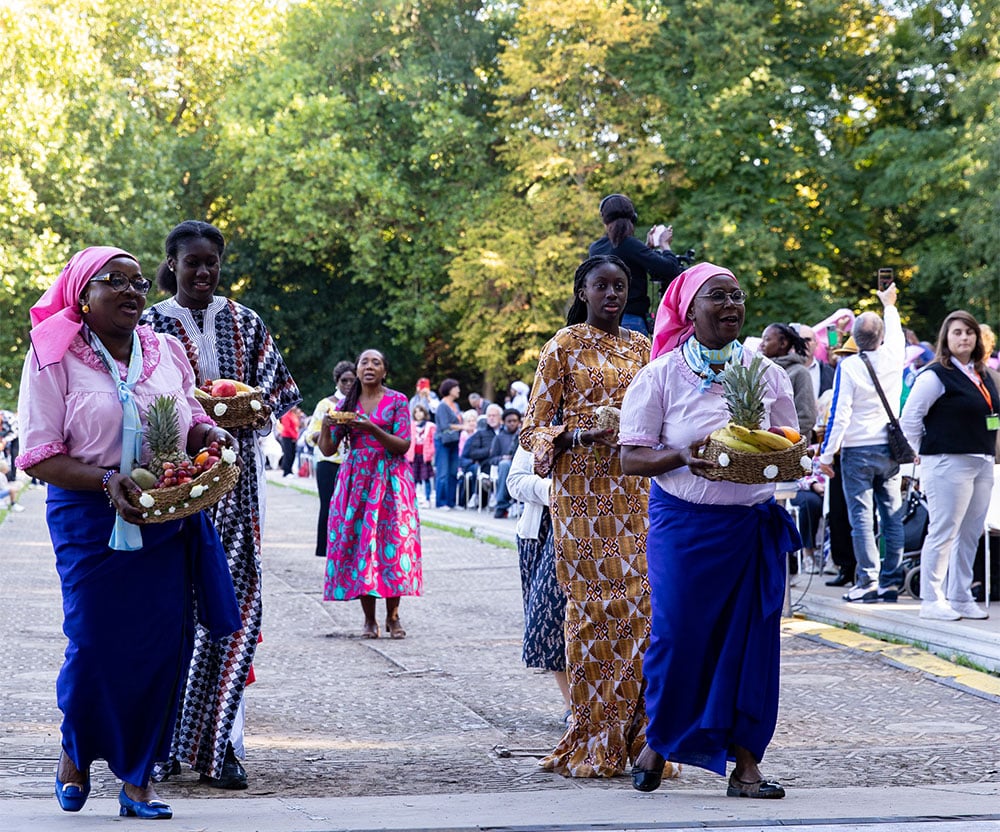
(652, 585)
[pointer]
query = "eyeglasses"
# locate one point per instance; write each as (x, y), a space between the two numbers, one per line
(718, 296)
(119, 281)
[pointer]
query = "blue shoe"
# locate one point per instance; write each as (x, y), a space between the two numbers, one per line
(150, 810)
(70, 796)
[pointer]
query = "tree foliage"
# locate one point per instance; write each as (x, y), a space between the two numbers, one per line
(423, 176)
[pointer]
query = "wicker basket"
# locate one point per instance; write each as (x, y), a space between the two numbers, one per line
(176, 502)
(240, 411)
(753, 469)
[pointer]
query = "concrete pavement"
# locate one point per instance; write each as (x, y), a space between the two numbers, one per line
(444, 729)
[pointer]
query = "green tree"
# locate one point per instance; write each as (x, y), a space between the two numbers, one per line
(356, 153)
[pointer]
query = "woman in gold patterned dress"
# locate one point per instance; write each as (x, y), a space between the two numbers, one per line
(599, 521)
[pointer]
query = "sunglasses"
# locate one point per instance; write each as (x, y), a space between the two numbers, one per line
(119, 281)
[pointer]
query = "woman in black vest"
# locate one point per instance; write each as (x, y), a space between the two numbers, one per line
(951, 416)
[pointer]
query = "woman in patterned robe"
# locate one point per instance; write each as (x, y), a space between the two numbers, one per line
(223, 340)
(599, 521)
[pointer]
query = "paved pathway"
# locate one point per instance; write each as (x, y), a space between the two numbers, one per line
(444, 728)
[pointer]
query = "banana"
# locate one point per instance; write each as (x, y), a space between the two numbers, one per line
(741, 433)
(727, 438)
(201, 394)
(771, 441)
(241, 387)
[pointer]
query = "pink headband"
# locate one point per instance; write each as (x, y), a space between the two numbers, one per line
(672, 327)
(56, 317)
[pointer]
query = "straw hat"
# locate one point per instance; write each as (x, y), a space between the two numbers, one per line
(850, 347)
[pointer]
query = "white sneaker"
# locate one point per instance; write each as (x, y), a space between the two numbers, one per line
(968, 609)
(867, 594)
(938, 611)
(19, 507)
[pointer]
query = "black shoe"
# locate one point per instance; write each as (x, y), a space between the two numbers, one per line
(500, 514)
(760, 789)
(233, 776)
(841, 579)
(646, 780)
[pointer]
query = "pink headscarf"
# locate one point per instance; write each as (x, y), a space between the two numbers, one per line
(56, 317)
(672, 327)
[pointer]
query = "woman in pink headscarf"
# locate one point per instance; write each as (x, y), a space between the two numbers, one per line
(88, 380)
(715, 550)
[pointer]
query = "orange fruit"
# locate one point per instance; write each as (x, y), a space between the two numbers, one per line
(791, 434)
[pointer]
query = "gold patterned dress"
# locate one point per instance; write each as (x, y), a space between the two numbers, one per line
(600, 521)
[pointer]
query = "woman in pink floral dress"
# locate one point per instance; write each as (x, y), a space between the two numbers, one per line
(374, 538)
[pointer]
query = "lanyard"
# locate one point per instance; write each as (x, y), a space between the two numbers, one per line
(983, 389)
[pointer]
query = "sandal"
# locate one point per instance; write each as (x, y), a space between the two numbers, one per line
(370, 631)
(758, 788)
(394, 628)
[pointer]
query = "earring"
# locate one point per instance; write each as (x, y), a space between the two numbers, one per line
(85, 308)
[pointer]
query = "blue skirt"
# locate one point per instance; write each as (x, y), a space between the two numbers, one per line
(129, 618)
(717, 580)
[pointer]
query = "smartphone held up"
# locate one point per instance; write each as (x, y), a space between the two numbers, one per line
(886, 277)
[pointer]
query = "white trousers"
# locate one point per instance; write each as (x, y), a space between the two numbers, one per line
(958, 489)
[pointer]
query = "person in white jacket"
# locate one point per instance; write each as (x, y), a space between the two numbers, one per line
(544, 602)
(858, 429)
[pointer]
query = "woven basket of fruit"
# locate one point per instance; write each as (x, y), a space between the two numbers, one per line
(745, 452)
(232, 404)
(174, 486)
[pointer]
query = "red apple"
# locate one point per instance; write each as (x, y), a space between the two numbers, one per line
(223, 389)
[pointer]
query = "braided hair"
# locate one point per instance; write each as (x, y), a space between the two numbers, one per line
(795, 341)
(354, 394)
(578, 310)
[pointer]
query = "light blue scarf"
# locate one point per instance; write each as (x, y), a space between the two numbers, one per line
(125, 537)
(699, 358)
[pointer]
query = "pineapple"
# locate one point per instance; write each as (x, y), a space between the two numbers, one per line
(163, 436)
(743, 390)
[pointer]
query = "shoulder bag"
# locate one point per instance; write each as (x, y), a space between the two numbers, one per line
(899, 448)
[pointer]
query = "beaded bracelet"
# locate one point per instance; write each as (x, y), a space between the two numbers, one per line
(104, 484)
(577, 442)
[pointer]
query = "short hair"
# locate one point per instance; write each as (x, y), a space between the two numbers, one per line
(447, 386)
(511, 411)
(493, 407)
(342, 367)
(178, 236)
(474, 397)
(868, 330)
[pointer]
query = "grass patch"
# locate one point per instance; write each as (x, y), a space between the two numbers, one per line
(854, 628)
(905, 642)
(964, 661)
(294, 487)
(470, 534)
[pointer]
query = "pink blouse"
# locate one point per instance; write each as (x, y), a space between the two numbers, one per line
(72, 407)
(663, 406)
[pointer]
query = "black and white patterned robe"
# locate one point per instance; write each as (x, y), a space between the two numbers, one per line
(227, 340)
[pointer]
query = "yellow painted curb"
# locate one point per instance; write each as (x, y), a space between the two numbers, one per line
(900, 653)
